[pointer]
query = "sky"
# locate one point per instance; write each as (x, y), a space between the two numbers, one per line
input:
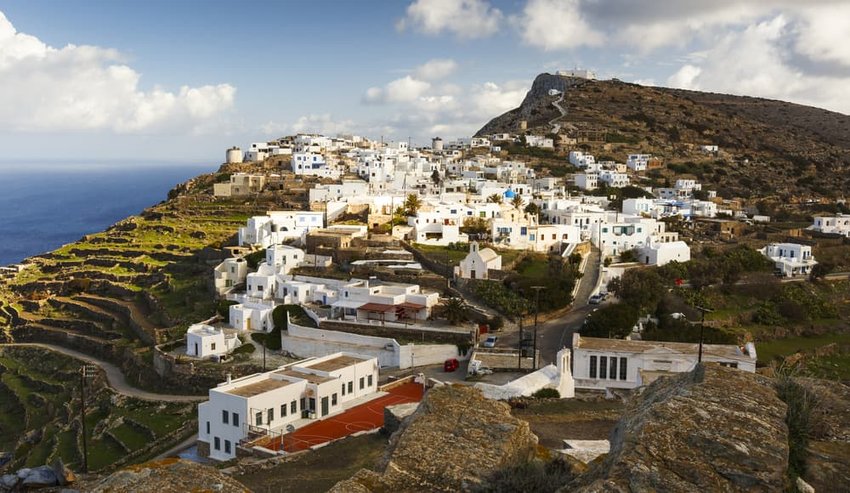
(183, 80)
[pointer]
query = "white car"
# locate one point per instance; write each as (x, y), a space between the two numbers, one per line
(490, 341)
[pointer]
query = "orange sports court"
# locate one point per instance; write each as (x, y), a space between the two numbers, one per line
(364, 417)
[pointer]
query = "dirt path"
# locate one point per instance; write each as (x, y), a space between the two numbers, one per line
(114, 376)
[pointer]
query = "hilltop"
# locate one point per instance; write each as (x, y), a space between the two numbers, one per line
(767, 147)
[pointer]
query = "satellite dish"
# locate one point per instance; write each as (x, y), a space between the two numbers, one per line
(290, 428)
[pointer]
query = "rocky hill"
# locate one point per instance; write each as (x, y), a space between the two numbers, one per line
(767, 146)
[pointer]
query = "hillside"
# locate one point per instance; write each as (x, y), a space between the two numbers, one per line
(767, 147)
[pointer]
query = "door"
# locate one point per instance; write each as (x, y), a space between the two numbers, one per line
(196, 350)
(248, 324)
(324, 406)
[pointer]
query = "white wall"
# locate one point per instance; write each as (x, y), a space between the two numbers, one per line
(309, 342)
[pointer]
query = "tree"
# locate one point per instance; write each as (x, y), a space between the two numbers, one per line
(819, 271)
(455, 310)
(495, 199)
(517, 202)
(435, 177)
(615, 321)
(533, 209)
(641, 288)
(412, 204)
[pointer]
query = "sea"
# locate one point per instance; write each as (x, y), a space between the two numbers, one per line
(44, 205)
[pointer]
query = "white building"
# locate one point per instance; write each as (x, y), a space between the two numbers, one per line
(838, 224)
(614, 179)
(252, 316)
(579, 73)
(791, 259)
(638, 162)
(656, 253)
(267, 402)
(478, 262)
(539, 141)
(581, 160)
(312, 164)
(229, 274)
(621, 364)
(616, 236)
(204, 340)
(279, 226)
(587, 181)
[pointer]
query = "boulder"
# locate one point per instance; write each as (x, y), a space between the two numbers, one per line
(41, 476)
(168, 476)
(394, 415)
(712, 429)
(64, 476)
(8, 481)
(454, 441)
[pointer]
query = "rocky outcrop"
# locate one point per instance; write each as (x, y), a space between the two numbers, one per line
(714, 429)
(827, 465)
(455, 440)
(168, 476)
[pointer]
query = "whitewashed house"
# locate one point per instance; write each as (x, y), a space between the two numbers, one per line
(478, 262)
(587, 181)
(203, 341)
(657, 253)
(312, 389)
(638, 162)
(312, 164)
(603, 364)
(279, 226)
(581, 160)
(539, 141)
(614, 179)
(625, 233)
(229, 274)
(791, 259)
(837, 224)
(252, 316)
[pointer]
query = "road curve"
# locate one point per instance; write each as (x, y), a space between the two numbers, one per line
(114, 376)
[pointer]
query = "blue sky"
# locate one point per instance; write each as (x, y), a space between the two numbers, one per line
(185, 79)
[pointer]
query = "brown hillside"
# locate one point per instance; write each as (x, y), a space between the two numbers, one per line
(767, 147)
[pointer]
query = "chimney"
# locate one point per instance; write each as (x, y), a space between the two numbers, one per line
(229, 378)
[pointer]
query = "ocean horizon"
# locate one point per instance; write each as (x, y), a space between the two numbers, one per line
(46, 204)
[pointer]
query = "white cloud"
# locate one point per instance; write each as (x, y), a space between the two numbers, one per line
(89, 88)
(754, 62)
(438, 68)
(462, 18)
(323, 123)
(405, 89)
(556, 24)
(824, 34)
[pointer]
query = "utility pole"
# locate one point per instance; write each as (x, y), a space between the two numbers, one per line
(86, 371)
(536, 313)
(701, 330)
(519, 360)
(264, 350)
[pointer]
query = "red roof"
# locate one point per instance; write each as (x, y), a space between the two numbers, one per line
(377, 307)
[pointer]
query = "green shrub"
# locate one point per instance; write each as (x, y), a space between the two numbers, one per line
(534, 476)
(799, 418)
(246, 348)
(223, 308)
(547, 394)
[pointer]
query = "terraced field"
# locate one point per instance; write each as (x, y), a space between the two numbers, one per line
(115, 295)
(40, 414)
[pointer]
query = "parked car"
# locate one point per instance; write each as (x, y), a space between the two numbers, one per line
(450, 365)
(490, 341)
(595, 299)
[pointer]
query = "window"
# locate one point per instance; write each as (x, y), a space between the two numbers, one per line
(623, 368)
(612, 374)
(270, 415)
(227, 446)
(225, 417)
(593, 367)
(235, 419)
(258, 418)
(212, 347)
(208, 427)
(362, 382)
(350, 387)
(217, 443)
(282, 410)
(369, 380)
(293, 407)
(343, 388)
(603, 367)
(333, 399)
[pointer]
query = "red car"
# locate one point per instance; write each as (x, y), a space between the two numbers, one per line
(450, 365)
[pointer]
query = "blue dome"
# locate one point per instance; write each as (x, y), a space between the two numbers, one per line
(509, 194)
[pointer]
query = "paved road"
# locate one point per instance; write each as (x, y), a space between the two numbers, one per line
(114, 376)
(555, 334)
